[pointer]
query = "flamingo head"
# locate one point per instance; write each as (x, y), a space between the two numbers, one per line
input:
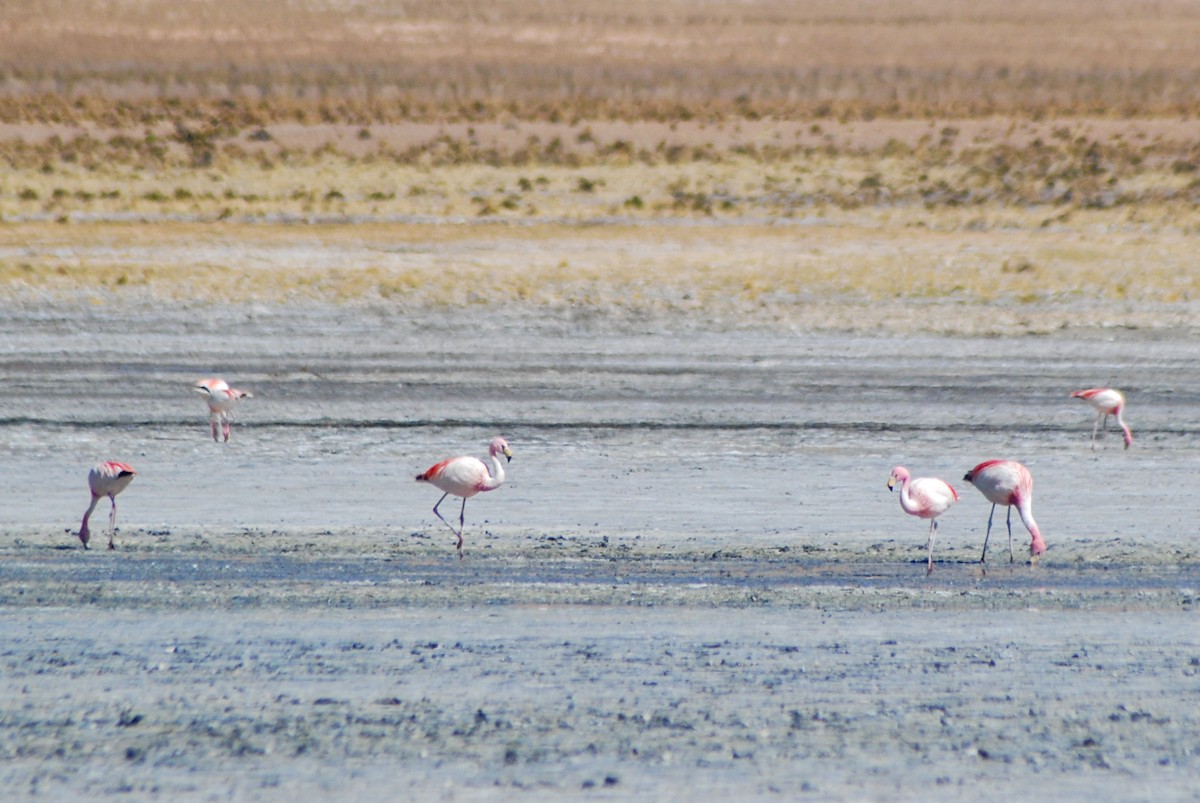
(899, 476)
(500, 446)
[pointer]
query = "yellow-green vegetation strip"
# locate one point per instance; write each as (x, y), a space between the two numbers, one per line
(904, 277)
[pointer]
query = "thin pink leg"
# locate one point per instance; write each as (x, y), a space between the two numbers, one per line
(112, 521)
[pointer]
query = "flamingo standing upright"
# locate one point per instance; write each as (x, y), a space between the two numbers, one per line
(1009, 483)
(221, 400)
(465, 477)
(108, 478)
(924, 497)
(1107, 401)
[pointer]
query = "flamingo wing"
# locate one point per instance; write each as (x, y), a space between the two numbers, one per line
(933, 496)
(461, 476)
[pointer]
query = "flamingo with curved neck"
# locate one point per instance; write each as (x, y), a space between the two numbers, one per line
(107, 478)
(1007, 482)
(465, 477)
(924, 497)
(1106, 401)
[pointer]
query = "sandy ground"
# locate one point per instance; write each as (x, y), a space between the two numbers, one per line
(694, 583)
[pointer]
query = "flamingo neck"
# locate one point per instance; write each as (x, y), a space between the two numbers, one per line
(83, 527)
(1036, 545)
(1125, 428)
(906, 500)
(497, 476)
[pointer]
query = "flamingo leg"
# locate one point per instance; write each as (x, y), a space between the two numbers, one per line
(983, 557)
(225, 425)
(461, 516)
(112, 521)
(1095, 429)
(1011, 558)
(932, 533)
(215, 426)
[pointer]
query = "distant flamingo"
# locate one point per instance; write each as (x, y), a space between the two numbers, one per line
(106, 479)
(1107, 401)
(1007, 482)
(465, 477)
(924, 497)
(221, 400)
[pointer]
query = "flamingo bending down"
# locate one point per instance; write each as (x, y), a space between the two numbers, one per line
(924, 497)
(221, 400)
(1007, 482)
(465, 477)
(1107, 401)
(106, 479)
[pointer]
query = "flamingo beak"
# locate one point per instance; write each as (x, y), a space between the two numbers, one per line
(507, 455)
(891, 483)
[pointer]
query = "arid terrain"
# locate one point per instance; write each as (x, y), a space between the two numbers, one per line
(713, 269)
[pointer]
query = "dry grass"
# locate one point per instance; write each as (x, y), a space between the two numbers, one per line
(130, 63)
(925, 164)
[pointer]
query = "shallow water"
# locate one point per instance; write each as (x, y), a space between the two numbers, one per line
(659, 427)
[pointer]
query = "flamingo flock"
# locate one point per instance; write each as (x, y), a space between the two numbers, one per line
(1002, 482)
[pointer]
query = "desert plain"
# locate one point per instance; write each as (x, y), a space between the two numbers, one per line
(713, 270)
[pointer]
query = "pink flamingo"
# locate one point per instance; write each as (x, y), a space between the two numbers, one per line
(924, 497)
(221, 400)
(106, 479)
(1007, 482)
(1107, 401)
(465, 477)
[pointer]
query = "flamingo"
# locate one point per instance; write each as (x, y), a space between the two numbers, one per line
(1007, 482)
(221, 400)
(465, 477)
(108, 478)
(924, 497)
(1107, 401)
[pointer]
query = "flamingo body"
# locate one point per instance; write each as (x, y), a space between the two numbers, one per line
(1106, 401)
(108, 478)
(924, 497)
(221, 400)
(1008, 483)
(464, 477)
